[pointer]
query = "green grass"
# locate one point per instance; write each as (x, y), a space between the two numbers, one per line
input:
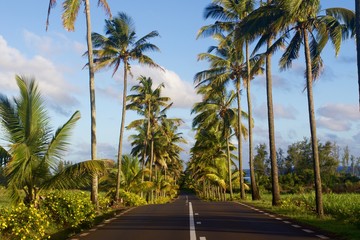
(4, 198)
(342, 212)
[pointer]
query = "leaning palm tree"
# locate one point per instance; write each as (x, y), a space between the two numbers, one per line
(34, 152)
(120, 44)
(70, 13)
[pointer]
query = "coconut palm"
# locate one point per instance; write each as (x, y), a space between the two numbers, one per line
(120, 44)
(253, 25)
(149, 103)
(226, 64)
(208, 167)
(229, 13)
(312, 30)
(34, 152)
(215, 111)
(357, 27)
(70, 13)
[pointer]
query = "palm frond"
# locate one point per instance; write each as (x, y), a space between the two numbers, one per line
(77, 175)
(106, 7)
(60, 142)
(70, 12)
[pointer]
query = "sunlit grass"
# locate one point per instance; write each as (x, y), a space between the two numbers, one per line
(342, 211)
(4, 198)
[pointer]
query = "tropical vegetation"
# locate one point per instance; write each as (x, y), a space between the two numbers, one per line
(316, 177)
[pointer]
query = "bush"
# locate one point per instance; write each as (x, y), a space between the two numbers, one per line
(128, 198)
(162, 200)
(69, 208)
(22, 223)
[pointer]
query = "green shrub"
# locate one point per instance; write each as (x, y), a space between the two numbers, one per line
(128, 198)
(162, 200)
(22, 223)
(69, 208)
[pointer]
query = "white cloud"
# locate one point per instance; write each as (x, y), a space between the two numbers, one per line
(280, 112)
(338, 117)
(181, 92)
(333, 124)
(52, 43)
(340, 112)
(58, 92)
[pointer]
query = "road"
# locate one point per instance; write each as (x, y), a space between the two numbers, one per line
(189, 218)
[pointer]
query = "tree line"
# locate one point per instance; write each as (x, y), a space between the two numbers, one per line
(248, 33)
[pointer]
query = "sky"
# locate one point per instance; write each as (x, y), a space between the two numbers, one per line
(54, 58)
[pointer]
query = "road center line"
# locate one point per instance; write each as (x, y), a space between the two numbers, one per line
(192, 223)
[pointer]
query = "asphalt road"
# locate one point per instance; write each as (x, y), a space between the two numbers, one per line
(189, 218)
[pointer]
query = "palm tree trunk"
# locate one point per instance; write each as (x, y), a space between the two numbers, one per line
(274, 167)
(229, 168)
(315, 151)
(121, 136)
(254, 189)
(94, 187)
(242, 190)
(151, 166)
(357, 27)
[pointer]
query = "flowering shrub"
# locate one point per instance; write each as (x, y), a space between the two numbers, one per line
(69, 208)
(131, 199)
(128, 198)
(23, 223)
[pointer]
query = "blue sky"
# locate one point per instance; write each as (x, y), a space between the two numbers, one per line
(55, 59)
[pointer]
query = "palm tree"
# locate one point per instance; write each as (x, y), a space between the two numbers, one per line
(148, 103)
(257, 24)
(357, 27)
(226, 64)
(229, 14)
(215, 112)
(70, 13)
(304, 21)
(121, 45)
(34, 152)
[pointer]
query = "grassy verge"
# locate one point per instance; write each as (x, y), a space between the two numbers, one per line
(340, 221)
(4, 198)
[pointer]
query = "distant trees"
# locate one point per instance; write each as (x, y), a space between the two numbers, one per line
(296, 167)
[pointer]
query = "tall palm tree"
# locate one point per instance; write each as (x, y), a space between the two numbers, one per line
(70, 13)
(120, 44)
(229, 13)
(215, 111)
(149, 103)
(313, 31)
(226, 64)
(257, 24)
(34, 152)
(357, 27)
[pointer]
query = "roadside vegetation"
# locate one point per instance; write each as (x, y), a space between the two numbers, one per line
(42, 195)
(341, 212)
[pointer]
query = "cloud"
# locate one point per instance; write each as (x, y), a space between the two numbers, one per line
(280, 111)
(338, 117)
(333, 124)
(181, 92)
(55, 89)
(52, 44)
